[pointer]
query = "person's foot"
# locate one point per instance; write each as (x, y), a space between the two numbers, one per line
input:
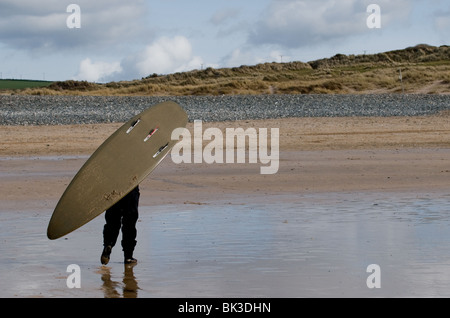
(104, 259)
(130, 260)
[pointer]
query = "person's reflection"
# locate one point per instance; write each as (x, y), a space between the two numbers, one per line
(129, 287)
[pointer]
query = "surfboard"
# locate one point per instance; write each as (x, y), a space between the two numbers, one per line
(120, 164)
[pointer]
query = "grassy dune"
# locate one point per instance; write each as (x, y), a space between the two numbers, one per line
(425, 69)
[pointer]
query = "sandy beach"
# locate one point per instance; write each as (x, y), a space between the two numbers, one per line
(327, 165)
(316, 154)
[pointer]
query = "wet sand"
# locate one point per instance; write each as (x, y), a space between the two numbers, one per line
(349, 192)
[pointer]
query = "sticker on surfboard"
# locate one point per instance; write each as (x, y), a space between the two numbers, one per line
(134, 124)
(151, 133)
(161, 149)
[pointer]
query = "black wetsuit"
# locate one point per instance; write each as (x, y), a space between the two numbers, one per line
(124, 214)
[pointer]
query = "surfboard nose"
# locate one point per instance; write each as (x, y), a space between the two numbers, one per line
(51, 234)
(54, 231)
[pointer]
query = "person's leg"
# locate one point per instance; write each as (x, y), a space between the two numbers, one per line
(129, 232)
(111, 231)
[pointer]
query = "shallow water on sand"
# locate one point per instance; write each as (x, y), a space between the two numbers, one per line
(315, 245)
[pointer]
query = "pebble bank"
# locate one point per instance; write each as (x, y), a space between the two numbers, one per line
(63, 110)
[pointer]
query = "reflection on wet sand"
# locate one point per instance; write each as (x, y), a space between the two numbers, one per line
(111, 288)
(309, 245)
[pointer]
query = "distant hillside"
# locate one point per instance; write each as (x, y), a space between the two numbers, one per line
(424, 69)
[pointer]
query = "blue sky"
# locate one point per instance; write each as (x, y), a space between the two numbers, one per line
(125, 40)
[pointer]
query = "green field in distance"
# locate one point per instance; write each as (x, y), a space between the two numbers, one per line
(21, 84)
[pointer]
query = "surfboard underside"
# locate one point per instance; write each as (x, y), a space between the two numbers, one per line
(126, 158)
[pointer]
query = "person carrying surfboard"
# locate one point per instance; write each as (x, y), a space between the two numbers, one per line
(122, 215)
(116, 168)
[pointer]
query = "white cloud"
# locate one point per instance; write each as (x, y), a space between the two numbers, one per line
(247, 56)
(165, 55)
(97, 71)
(238, 57)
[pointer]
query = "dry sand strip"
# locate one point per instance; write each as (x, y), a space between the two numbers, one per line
(336, 133)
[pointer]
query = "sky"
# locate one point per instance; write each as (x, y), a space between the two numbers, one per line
(114, 40)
